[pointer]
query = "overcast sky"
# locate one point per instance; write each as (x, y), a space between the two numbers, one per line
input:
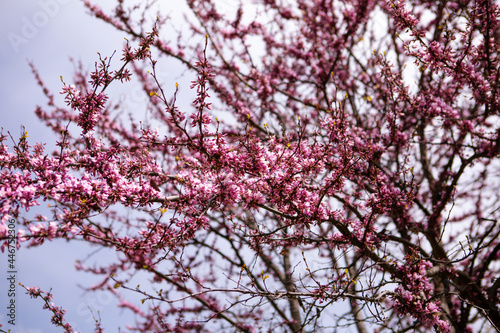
(48, 32)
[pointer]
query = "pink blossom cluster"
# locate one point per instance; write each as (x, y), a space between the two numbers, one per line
(414, 296)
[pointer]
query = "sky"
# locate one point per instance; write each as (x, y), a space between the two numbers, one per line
(48, 33)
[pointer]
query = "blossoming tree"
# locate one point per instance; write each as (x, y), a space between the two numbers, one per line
(338, 167)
